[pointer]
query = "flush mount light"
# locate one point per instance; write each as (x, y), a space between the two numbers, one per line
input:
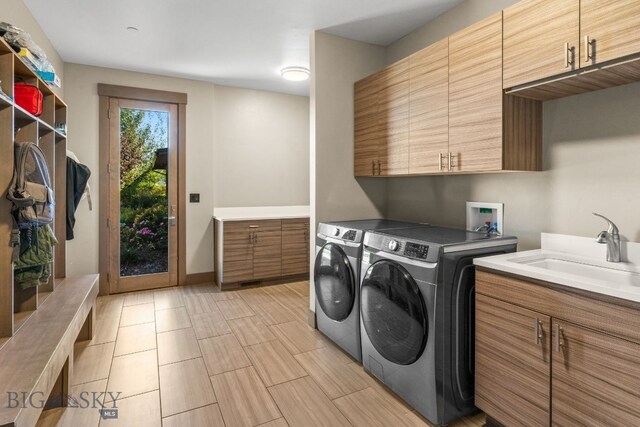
(295, 74)
(133, 29)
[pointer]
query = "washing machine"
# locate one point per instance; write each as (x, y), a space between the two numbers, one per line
(418, 314)
(336, 277)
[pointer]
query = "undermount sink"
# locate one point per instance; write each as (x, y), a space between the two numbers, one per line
(616, 275)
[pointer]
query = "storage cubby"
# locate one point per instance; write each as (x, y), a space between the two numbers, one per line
(16, 125)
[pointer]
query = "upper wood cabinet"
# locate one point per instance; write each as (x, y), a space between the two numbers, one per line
(512, 355)
(366, 132)
(429, 108)
(541, 39)
(393, 119)
(609, 29)
(488, 131)
(475, 96)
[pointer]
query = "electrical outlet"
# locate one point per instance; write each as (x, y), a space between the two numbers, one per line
(194, 198)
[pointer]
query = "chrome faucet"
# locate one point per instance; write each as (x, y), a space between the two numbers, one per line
(612, 238)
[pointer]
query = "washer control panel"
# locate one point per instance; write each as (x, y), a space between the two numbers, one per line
(416, 250)
(393, 245)
(350, 235)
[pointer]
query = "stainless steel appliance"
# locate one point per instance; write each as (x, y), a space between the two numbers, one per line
(417, 314)
(336, 278)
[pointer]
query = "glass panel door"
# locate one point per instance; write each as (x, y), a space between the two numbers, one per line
(143, 145)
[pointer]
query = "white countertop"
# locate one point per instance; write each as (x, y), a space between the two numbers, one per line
(262, 212)
(575, 262)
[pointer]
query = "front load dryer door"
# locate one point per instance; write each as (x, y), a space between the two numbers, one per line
(334, 282)
(393, 312)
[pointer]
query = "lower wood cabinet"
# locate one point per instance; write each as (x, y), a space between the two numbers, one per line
(295, 246)
(550, 356)
(512, 363)
(249, 251)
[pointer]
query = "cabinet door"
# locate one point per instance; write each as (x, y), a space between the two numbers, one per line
(512, 363)
(429, 108)
(237, 256)
(475, 96)
(295, 246)
(393, 123)
(267, 249)
(613, 26)
(536, 36)
(366, 131)
(596, 378)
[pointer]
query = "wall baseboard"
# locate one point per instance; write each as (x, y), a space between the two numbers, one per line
(199, 278)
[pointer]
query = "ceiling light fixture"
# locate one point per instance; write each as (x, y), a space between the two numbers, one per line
(295, 74)
(133, 29)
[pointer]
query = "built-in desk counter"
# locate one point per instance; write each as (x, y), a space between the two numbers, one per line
(259, 244)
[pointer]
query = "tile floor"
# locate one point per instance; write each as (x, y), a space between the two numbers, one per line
(195, 356)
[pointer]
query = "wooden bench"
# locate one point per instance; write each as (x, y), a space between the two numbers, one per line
(37, 362)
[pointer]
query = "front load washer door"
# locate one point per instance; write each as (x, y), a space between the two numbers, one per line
(334, 282)
(393, 312)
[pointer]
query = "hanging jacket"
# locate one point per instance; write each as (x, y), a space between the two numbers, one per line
(77, 178)
(36, 255)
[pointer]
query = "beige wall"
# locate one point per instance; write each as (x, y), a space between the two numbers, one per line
(261, 148)
(82, 97)
(15, 12)
(591, 152)
(336, 63)
(224, 127)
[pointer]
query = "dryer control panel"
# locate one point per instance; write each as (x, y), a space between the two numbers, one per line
(416, 250)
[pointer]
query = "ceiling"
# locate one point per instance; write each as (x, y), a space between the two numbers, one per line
(240, 43)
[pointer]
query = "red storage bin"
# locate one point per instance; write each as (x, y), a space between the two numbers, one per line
(28, 97)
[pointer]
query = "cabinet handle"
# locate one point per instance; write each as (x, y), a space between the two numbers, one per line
(588, 48)
(440, 156)
(254, 226)
(568, 55)
(538, 331)
(373, 167)
(558, 337)
(379, 168)
(451, 165)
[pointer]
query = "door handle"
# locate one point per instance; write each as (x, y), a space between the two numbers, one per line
(538, 331)
(172, 221)
(451, 165)
(558, 338)
(568, 55)
(588, 48)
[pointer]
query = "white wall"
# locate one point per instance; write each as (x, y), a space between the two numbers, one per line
(336, 63)
(15, 12)
(261, 148)
(591, 147)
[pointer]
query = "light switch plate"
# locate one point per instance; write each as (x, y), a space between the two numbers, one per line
(194, 198)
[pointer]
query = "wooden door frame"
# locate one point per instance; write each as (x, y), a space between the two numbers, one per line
(105, 92)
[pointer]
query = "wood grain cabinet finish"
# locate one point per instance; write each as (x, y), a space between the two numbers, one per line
(250, 251)
(295, 246)
(366, 131)
(596, 378)
(594, 343)
(429, 108)
(609, 29)
(512, 363)
(393, 119)
(267, 249)
(541, 39)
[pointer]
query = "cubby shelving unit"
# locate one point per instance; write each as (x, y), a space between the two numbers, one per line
(16, 124)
